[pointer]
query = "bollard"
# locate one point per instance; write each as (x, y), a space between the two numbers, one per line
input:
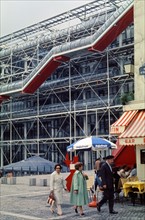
(4, 180)
(12, 180)
(32, 182)
(43, 182)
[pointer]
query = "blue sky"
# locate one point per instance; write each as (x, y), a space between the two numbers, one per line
(19, 14)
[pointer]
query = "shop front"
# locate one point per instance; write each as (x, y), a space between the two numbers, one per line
(132, 123)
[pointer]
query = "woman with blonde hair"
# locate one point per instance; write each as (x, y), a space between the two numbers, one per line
(78, 193)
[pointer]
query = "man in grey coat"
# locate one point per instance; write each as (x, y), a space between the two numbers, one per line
(107, 184)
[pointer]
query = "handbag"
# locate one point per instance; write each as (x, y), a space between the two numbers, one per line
(51, 198)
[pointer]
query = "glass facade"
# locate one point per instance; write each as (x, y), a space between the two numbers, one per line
(82, 97)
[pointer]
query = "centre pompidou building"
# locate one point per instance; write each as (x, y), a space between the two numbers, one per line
(64, 79)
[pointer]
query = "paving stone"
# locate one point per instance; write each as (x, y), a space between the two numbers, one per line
(29, 202)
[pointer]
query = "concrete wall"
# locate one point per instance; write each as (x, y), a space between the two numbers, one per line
(140, 167)
(139, 48)
(139, 80)
(139, 60)
(25, 180)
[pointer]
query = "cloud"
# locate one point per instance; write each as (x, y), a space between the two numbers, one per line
(16, 15)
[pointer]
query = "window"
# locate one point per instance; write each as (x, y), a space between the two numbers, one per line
(142, 156)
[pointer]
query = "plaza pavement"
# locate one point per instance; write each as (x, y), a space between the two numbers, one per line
(25, 202)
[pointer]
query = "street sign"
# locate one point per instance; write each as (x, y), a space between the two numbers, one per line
(142, 70)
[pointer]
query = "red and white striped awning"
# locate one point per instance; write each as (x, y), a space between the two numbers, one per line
(120, 125)
(135, 132)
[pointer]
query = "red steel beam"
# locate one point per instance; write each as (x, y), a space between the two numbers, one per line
(3, 97)
(44, 74)
(114, 32)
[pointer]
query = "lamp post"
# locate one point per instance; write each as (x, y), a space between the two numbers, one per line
(129, 67)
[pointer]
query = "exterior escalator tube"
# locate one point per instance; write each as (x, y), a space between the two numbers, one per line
(70, 49)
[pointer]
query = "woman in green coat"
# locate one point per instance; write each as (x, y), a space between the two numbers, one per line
(78, 193)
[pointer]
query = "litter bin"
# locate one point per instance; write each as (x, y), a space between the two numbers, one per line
(32, 182)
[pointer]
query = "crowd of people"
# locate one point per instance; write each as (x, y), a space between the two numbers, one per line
(107, 178)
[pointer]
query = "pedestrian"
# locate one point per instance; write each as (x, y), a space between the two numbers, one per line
(57, 184)
(97, 181)
(133, 171)
(97, 165)
(122, 171)
(78, 193)
(1, 173)
(107, 184)
(103, 160)
(116, 181)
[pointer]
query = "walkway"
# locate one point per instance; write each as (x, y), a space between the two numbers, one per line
(23, 202)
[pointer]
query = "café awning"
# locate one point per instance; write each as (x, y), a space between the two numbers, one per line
(135, 132)
(122, 123)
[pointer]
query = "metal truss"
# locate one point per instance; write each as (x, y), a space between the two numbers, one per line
(77, 100)
(82, 13)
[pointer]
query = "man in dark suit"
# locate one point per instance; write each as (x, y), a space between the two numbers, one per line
(107, 184)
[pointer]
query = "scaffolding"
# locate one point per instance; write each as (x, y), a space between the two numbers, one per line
(59, 84)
